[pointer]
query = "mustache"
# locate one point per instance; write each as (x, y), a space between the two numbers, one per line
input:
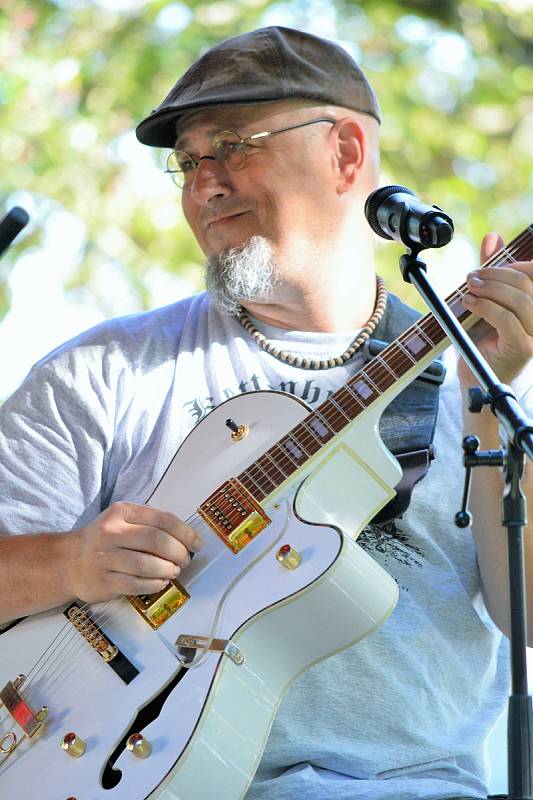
(225, 208)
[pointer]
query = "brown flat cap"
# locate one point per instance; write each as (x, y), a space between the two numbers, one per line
(261, 66)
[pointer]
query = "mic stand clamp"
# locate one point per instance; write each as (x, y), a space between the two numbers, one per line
(519, 434)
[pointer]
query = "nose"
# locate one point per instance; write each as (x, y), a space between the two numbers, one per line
(210, 181)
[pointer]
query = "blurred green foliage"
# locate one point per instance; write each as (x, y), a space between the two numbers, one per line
(455, 81)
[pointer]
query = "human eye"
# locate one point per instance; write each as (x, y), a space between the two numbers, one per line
(232, 147)
(226, 144)
(185, 163)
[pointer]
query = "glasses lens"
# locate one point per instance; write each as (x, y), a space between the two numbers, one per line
(181, 168)
(229, 150)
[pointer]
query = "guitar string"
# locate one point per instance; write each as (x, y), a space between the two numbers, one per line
(69, 635)
(310, 435)
(60, 664)
(79, 643)
(504, 255)
(102, 614)
(458, 294)
(69, 631)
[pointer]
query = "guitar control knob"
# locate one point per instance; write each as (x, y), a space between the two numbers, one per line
(288, 557)
(73, 745)
(139, 746)
(238, 432)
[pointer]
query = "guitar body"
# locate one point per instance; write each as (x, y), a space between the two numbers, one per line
(254, 624)
(208, 723)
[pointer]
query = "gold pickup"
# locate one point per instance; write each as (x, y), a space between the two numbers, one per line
(234, 514)
(156, 608)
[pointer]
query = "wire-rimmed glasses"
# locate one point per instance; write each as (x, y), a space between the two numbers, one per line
(229, 150)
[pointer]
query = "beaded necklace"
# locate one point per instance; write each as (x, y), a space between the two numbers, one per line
(309, 363)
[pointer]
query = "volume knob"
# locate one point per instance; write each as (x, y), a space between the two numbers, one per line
(73, 745)
(139, 746)
(288, 557)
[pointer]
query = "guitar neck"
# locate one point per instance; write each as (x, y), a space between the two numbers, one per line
(390, 371)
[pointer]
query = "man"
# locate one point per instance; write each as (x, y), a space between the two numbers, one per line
(88, 435)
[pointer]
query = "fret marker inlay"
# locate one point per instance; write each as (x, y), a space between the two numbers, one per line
(362, 389)
(415, 344)
(318, 427)
(291, 448)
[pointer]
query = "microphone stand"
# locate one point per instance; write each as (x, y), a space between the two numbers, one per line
(11, 225)
(519, 433)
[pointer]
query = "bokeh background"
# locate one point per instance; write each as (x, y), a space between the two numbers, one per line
(107, 236)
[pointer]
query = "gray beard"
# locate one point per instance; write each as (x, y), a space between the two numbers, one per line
(241, 273)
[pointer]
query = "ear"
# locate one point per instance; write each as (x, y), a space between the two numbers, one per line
(349, 153)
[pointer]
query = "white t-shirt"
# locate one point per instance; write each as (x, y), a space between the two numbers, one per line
(400, 715)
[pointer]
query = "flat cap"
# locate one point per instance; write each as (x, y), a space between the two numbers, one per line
(261, 66)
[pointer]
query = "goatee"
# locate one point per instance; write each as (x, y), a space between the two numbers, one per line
(242, 273)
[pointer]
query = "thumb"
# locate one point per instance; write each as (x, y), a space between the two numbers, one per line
(490, 244)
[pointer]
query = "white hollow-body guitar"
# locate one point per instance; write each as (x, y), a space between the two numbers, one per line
(172, 696)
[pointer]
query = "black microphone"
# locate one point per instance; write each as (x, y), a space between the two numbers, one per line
(12, 224)
(394, 212)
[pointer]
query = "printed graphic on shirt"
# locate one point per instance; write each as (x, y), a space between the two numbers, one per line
(308, 391)
(389, 544)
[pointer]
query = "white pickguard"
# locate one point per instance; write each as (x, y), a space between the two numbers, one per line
(213, 727)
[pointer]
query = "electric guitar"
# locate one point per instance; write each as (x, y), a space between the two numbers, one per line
(172, 695)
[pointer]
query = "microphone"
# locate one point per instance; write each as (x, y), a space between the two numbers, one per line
(12, 224)
(395, 212)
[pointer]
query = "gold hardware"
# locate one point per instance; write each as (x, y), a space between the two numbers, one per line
(14, 741)
(247, 530)
(73, 745)
(157, 608)
(23, 714)
(187, 642)
(241, 433)
(234, 514)
(288, 557)
(139, 746)
(19, 681)
(91, 633)
(238, 432)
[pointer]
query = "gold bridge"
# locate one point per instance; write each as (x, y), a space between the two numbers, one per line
(234, 514)
(81, 619)
(91, 632)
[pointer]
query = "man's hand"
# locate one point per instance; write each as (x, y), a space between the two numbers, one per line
(503, 298)
(129, 549)
(504, 304)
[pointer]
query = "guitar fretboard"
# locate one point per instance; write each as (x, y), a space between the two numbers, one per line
(293, 451)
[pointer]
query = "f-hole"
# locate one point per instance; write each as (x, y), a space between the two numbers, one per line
(111, 777)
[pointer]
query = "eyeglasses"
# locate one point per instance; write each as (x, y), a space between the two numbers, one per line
(229, 150)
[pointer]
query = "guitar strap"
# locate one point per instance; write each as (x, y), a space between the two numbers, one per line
(407, 425)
